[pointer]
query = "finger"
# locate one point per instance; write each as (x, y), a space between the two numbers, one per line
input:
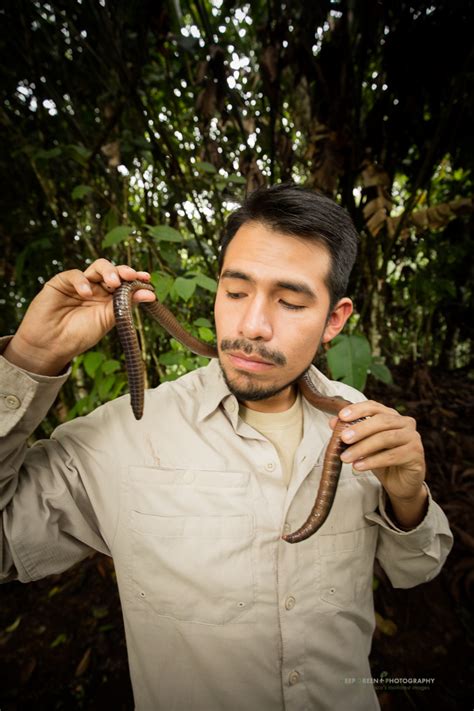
(71, 278)
(104, 273)
(110, 276)
(143, 295)
(397, 457)
(377, 423)
(333, 422)
(368, 408)
(128, 273)
(388, 440)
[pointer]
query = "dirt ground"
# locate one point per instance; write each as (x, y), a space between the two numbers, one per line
(62, 643)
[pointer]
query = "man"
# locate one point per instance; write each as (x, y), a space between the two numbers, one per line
(191, 501)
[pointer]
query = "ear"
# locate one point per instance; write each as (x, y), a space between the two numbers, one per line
(337, 319)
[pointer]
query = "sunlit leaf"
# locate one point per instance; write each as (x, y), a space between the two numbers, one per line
(184, 287)
(206, 334)
(105, 385)
(205, 167)
(164, 233)
(110, 366)
(203, 322)
(92, 360)
(162, 283)
(237, 179)
(206, 282)
(171, 358)
(116, 235)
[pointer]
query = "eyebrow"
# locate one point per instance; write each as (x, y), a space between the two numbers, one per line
(298, 287)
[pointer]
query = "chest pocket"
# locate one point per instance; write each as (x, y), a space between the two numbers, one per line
(191, 544)
(346, 566)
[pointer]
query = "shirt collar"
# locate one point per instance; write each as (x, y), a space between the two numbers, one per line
(216, 390)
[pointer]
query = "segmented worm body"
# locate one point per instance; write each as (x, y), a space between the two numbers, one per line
(333, 405)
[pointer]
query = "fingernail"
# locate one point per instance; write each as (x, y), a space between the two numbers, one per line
(85, 288)
(346, 457)
(115, 277)
(345, 413)
(347, 435)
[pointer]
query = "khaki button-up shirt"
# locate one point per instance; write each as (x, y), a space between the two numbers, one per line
(220, 613)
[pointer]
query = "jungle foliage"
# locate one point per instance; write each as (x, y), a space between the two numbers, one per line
(130, 130)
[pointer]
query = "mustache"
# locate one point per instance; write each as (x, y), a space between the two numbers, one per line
(239, 344)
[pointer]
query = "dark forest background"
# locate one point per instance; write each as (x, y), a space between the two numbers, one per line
(130, 130)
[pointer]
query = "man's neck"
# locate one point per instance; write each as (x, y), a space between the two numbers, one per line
(277, 403)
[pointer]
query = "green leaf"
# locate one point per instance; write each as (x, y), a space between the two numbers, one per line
(206, 334)
(110, 366)
(238, 179)
(172, 358)
(105, 385)
(349, 359)
(60, 639)
(202, 322)
(14, 625)
(116, 235)
(111, 219)
(81, 191)
(100, 612)
(206, 282)
(92, 360)
(205, 167)
(164, 233)
(381, 372)
(184, 287)
(43, 154)
(162, 283)
(106, 628)
(80, 154)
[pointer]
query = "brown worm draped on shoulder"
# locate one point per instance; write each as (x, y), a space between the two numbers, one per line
(332, 464)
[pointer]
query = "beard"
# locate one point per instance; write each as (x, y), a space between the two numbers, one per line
(251, 390)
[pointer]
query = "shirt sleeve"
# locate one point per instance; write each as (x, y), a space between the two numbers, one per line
(415, 556)
(48, 521)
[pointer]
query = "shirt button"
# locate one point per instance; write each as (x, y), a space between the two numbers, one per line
(270, 466)
(290, 602)
(231, 406)
(12, 402)
(287, 528)
(293, 677)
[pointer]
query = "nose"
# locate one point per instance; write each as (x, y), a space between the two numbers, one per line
(255, 323)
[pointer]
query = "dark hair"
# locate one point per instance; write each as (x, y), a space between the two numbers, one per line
(295, 210)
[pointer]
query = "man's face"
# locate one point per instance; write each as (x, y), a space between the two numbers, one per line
(271, 313)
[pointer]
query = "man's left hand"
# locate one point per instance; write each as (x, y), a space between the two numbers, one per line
(386, 443)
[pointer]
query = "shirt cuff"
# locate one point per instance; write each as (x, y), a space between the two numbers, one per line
(418, 537)
(18, 389)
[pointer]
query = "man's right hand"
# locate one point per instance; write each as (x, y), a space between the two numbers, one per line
(71, 314)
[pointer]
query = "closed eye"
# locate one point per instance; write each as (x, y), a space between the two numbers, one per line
(291, 307)
(235, 294)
